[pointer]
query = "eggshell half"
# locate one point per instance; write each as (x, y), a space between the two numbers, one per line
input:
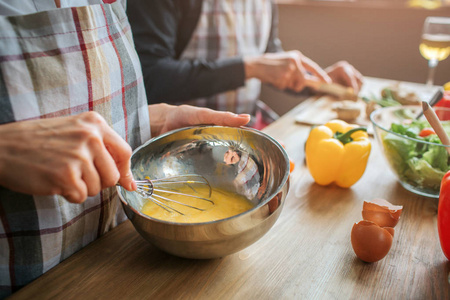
(370, 241)
(381, 212)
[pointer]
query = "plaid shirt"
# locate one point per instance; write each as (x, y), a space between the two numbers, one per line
(229, 28)
(70, 60)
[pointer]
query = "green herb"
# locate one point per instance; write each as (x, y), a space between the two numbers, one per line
(382, 101)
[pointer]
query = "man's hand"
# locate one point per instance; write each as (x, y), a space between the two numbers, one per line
(292, 70)
(345, 74)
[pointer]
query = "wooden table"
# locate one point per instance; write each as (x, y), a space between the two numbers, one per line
(307, 254)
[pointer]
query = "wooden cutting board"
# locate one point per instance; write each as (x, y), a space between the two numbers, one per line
(319, 110)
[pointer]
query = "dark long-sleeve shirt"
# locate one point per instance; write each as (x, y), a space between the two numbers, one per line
(161, 30)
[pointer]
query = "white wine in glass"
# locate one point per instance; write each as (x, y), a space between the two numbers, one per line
(435, 44)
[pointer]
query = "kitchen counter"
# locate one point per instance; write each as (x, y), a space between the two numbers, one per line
(307, 254)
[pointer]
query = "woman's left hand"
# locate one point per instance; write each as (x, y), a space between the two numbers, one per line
(165, 117)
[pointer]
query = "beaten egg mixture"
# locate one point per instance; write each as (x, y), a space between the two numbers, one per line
(226, 204)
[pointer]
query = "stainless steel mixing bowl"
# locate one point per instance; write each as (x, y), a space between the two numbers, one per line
(261, 174)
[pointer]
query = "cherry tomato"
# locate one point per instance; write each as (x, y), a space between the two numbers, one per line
(426, 132)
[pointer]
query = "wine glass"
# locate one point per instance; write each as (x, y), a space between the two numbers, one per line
(435, 44)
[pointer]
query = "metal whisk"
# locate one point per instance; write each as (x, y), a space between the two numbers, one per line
(155, 189)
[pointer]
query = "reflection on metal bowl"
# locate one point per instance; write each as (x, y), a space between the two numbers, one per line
(242, 160)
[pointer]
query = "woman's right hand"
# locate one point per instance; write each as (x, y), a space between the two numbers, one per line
(285, 70)
(72, 156)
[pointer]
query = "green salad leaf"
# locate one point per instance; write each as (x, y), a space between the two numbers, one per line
(423, 174)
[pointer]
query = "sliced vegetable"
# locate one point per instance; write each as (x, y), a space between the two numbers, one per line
(291, 163)
(426, 132)
(291, 166)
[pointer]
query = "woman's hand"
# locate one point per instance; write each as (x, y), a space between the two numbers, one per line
(165, 117)
(285, 70)
(72, 156)
(345, 74)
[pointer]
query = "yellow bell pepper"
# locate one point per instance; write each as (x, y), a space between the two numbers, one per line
(337, 152)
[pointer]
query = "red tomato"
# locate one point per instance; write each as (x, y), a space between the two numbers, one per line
(426, 132)
(443, 220)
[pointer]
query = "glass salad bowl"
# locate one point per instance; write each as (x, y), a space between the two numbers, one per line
(413, 152)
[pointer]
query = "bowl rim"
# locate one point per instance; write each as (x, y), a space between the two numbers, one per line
(284, 180)
(389, 108)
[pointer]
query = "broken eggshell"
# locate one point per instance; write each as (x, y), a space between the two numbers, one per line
(381, 212)
(370, 241)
